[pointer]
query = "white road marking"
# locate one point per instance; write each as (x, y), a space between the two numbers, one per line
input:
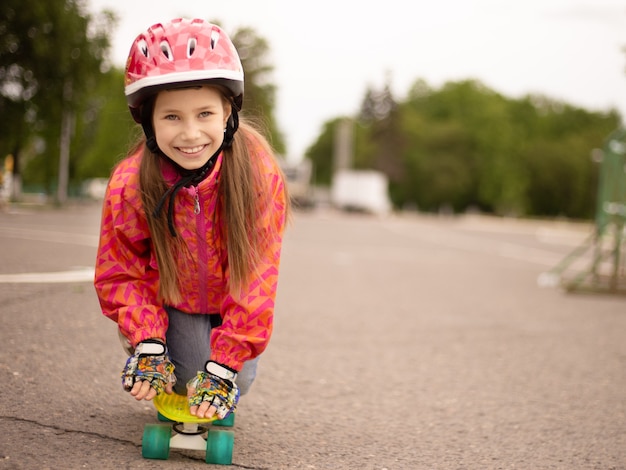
(77, 275)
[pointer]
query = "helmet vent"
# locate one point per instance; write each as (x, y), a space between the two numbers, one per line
(191, 46)
(143, 47)
(166, 50)
(215, 36)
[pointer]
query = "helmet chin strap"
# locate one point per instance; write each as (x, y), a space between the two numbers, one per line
(231, 127)
(189, 178)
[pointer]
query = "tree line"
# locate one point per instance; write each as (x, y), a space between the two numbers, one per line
(464, 146)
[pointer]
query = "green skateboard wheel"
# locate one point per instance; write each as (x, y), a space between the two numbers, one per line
(219, 447)
(156, 441)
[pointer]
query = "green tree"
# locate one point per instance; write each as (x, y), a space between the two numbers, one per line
(260, 91)
(383, 139)
(321, 153)
(440, 170)
(556, 154)
(106, 131)
(51, 55)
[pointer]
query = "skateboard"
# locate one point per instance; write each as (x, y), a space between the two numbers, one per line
(185, 431)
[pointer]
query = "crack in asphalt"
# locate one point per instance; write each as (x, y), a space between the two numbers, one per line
(110, 438)
(59, 428)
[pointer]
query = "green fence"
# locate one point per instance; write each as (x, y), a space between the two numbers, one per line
(611, 207)
(598, 264)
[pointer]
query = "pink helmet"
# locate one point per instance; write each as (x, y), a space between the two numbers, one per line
(181, 53)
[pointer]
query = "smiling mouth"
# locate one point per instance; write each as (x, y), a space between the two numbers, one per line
(191, 150)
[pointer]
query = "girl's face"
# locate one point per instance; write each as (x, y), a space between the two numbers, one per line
(189, 124)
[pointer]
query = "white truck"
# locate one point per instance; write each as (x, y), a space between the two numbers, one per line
(361, 190)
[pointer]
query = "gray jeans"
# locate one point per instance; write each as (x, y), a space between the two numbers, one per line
(189, 344)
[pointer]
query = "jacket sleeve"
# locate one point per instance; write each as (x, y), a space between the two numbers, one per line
(247, 317)
(126, 278)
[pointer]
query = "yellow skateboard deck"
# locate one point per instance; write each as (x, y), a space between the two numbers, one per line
(176, 408)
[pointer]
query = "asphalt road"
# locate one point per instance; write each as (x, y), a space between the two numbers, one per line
(409, 342)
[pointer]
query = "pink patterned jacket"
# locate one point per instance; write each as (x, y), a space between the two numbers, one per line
(127, 277)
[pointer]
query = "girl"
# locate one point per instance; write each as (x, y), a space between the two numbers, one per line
(192, 224)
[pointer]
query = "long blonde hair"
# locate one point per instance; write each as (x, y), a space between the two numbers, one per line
(243, 192)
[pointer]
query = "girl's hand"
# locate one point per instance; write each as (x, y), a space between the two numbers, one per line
(143, 390)
(209, 394)
(148, 371)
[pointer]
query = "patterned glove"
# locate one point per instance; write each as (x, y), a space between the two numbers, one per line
(217, 387)
(149, 362)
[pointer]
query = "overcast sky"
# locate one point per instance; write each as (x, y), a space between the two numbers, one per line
(326, 53)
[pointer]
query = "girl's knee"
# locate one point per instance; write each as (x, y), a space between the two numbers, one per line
(246, 376)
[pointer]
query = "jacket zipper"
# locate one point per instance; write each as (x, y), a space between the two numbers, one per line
(202, 252)
(196, 205)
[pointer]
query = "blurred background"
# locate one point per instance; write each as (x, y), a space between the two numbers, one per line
(453, 107)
